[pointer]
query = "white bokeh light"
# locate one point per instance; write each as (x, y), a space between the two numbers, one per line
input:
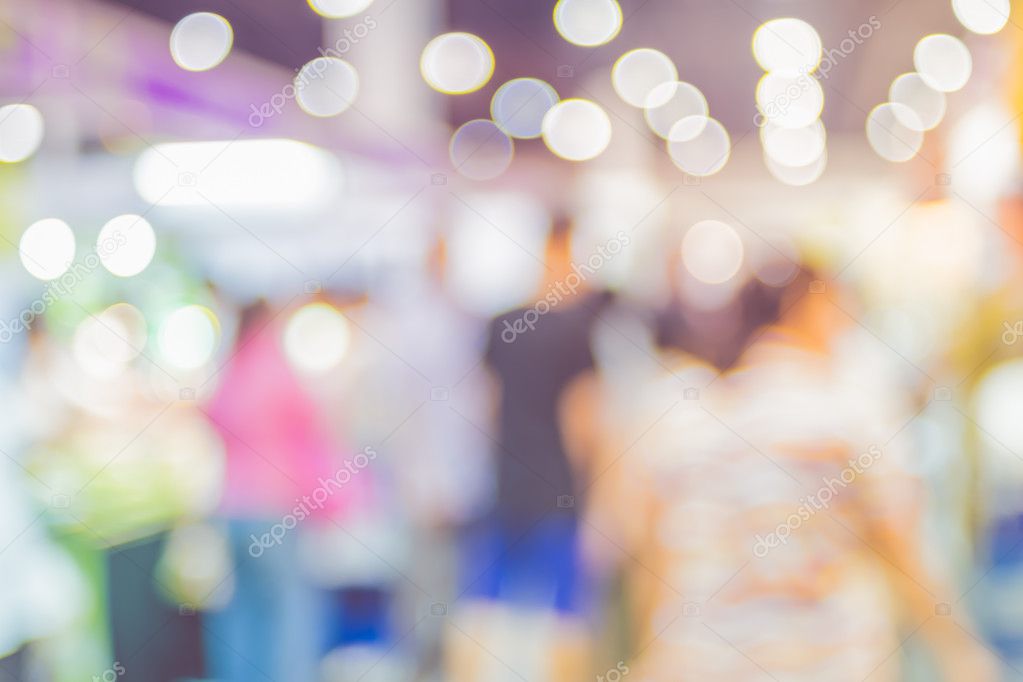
(480, 150)
(188, 337)
(892, 139)
(699, 145)
(518, 106)
(669, 103)
(943, 61)
(316, 337)
(638, 72)
(712, 251)
(326, 86)
(104, 344)
(577, 129)
(201, 41)
(47, 248)
(789, 46)
(794, 147)
(982, 16)
(790, 101)
(797, 176)
(457, 63)
(21, 132)
(126, 245)
(927, 104)
(588, 23)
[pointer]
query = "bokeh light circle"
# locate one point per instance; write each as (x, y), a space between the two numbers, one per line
(892, 139)
(326, 86)
(943, 61)
(795, 147)
(456, 63)
(789, 46)
(480, 150)
(188, 336)
(518, 106)
(577, 129)
(21, 132)
(638, 72)
(201, 41)
(126, 245)
(669, 103)
(47, 249)
(104, 344)
(588, 23)
(712, 251)
(699, 145)
(339, 9)
(790, 101)
(927, 104)
(797, 176)
(982, 16)
(316, 337)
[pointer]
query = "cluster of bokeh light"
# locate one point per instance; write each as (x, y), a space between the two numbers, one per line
(790, 100)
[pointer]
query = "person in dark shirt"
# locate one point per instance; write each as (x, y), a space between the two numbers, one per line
(523, 556)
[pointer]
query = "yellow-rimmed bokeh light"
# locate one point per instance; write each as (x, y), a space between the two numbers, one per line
(518, 106)
(639, 71)
(588, 23)
(21, 132)
(201, 41)
(339, 9)
(577, 129)
(982, 16)
(787, 45)
(943, 61)
(456, 63)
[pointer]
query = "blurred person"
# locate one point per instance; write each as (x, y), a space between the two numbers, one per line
(771, 513)
(524, 579)
(422, 400)
(281, 485)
